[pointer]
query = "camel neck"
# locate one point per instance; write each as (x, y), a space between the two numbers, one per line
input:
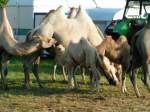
(3, 15)
(4, 20)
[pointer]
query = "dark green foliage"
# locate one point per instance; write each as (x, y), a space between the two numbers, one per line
(3, 3)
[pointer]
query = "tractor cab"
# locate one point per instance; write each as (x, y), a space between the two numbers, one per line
(134, 19)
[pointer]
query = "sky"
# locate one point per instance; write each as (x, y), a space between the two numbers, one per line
(111, 3)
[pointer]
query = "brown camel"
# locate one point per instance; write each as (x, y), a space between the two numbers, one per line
(9, 46)
(118, 52)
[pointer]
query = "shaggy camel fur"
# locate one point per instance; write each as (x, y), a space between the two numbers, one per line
(86, 56)
(118, 52)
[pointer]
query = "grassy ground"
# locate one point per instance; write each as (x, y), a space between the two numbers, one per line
(56, 97)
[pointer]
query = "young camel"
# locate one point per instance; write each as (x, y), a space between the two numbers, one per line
(60, 50)
(118, 52)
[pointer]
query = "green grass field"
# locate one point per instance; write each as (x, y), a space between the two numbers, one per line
(56, 97)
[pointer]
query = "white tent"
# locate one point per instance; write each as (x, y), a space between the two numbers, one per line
(26, 14)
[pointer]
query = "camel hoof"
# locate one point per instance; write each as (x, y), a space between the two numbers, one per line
(76, 89)
(27, 87)
(83, 82)
(124, 90)
(41, 86)
(138, 96)
(65, 81)
(70, 86)
(53, 80)
(141, 97)
(5, 88)
(92, 92)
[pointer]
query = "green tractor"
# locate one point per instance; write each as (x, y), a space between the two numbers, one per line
(134, 19)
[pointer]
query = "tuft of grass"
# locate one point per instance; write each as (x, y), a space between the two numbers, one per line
(3, 3)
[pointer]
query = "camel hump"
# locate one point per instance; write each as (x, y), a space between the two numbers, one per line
(50, 12)
(60, 9)
(122, 39)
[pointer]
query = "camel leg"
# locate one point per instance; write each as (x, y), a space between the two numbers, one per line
(91, 77)
(83, 75)
(26, 66)
(95, 78)
(54, 73)
(26, 72)
(4, 70)
(74, 78)
(146, 68)
(64, 73)
(123, 86)
(70, 77)
(3, 75)
(134, 83)
(97, 81)
(35, 70)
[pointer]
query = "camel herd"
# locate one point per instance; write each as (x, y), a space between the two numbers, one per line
(77, 43)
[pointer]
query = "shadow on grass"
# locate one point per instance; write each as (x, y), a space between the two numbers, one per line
(16, 89)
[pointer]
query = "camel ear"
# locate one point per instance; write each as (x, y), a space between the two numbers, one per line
(79, 10)
(80, 7)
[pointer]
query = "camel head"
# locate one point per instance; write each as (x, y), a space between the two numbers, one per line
(59, 49)
(125, 55)
(44, 41)
(73, 12)
(110, 71)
